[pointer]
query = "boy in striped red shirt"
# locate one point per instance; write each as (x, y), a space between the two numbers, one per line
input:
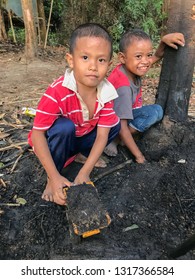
(75, 115)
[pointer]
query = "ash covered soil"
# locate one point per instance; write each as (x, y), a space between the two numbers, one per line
(151, 205)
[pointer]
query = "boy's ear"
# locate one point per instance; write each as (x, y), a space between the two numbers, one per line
(121, 57)
(69, 59)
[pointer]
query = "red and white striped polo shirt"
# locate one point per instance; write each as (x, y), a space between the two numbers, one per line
(61, 99)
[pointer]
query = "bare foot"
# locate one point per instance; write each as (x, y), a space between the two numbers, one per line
(111, 149)
(82, 159)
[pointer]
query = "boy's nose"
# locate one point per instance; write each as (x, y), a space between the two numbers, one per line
(93, 66)
(146, 60)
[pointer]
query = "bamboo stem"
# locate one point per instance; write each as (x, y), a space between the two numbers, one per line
(48, 24)
(12, 27)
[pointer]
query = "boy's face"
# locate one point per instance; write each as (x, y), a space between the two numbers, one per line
(90, 61)
(137, 57)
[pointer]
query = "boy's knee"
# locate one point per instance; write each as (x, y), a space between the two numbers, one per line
(62, 126)
(159, 112)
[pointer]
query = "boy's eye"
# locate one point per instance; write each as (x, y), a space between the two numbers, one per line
(150, 55)
(85, 57)
(102, 60)
(138, 56)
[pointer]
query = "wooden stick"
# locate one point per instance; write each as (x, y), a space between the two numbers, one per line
(3, 183)
(12, 27)
(15, 163)
(15, 145)
(17, 160)
(184, 248)
(10, 204)
(48, 24)
(11, 163)
(111, 170)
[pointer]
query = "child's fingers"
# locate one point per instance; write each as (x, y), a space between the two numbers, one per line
(174, 46)
(181, 42)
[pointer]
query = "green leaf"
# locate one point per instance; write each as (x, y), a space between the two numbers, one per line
(21, 200)
(134, 226)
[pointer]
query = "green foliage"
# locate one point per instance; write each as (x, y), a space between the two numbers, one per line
(19, 33)
(116, 15)
(78, 12)
(116, 30)
(57, 13)
(53, 39)
(144, 14)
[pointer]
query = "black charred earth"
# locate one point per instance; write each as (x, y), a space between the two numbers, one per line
(151, 205)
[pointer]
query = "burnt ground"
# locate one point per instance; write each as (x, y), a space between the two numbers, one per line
(151, 206)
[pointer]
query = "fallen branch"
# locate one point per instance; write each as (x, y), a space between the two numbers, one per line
(111, 170)
(15, 145)
(184, 248)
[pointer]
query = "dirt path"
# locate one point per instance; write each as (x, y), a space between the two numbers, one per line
(151, 206)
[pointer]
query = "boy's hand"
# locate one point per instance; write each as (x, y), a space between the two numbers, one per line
(173, 40)
(54, 190)
(81, 178)
(140, 159)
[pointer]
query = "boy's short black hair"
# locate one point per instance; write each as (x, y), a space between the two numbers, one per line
(90, 30)
(129, 36)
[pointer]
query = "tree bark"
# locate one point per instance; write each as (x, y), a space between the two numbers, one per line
(30, 32)
(41, 18)
(3, 34)
(175, 84)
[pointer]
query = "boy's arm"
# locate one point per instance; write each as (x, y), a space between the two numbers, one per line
(43, 153)
(129, 142)
(171, 40)
(96, 151)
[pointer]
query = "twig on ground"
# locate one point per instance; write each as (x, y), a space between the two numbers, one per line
(19, 157)
(17, 126)
(11, 163)
(124, 155)
(30, 221)
(15, 163)
(15, 145)
(10, 204)
(180, 204)
(111, 170)
(189, 180)
(42, 225)
(3, 183)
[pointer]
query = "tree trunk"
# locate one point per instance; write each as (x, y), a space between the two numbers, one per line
(41, 19)
(178, 65)
(30, 33)
(3, 34)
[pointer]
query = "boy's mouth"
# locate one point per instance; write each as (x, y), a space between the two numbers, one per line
(93, 77)
(143, 68)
